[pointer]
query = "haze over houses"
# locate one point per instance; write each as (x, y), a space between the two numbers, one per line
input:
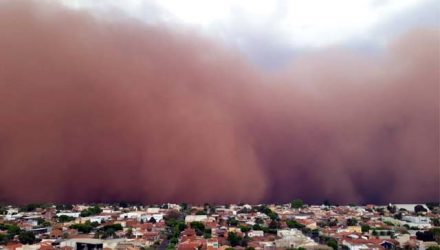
(236, 226)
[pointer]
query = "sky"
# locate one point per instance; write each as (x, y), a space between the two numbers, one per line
(271, 33)
(219, 101)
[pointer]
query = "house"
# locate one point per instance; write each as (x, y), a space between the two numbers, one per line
(191, 244)
(198, 218)
(99, 218)
(83, 244)
(212, 243)
(255, 233)
(68, 214)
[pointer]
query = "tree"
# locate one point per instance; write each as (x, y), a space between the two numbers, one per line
(267, 211)
(116, 227)
(129, 233)
(83, 228)
(3, 239)
(198, 227)
(234, 239)
(419, 209)
(297, 203)
(29, 207)
(108, 231)
(352, 222)
(392, 208)
(3, 210)
(432, 205)
(294, 224)
(425, 235)
(43, 223)
(245, 229)
(326, 203)
(12, 230)
(26, 237)
(365, 228)
(332, 243)
(173, 214)
(259, 220)
(63, 207)
(91, 211)
(152, 220)
(232, 222)
(436, 234)
(184, 206)
(433, 248)
(207, 233)
(333, 222)
(64, 218)
(200, 212)
(273, 224)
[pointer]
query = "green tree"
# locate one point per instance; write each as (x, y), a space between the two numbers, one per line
(436, 234)
(64, 218)
(234, 239)
(207, 233)
(232, 221)
(259, 220)
(116, 227)
(297, 203)
(365, 228)
(352, 222)
(129, 233)
(332, 243)
(83, 227)
(294, 224)
(26, 237)
(91, 211)
(174, 240)
(433, 248)
(245, 229)
(12, 230)
(198, 227)
(3, 239)
(43, 223)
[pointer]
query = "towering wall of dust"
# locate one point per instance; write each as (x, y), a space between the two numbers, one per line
(99, 110)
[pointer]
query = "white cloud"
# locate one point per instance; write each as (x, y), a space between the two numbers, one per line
(271, 30)
(304, 23)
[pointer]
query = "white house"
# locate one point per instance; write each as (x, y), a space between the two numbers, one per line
(70, 214)
(99, 218)
(255, 233)
(198, 218)
(147, 217)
